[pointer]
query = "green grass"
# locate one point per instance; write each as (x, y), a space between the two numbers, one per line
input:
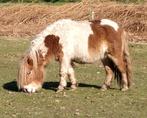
(88, 101)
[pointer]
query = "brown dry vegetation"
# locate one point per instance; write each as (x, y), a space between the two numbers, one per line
(20, 20)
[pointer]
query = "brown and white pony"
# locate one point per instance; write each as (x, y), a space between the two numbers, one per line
(69, 41)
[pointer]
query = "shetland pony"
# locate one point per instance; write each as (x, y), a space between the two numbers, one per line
(69, 41)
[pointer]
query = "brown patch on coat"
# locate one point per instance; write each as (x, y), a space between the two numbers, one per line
(54, 48)
(117, 49)
(104, 34)
(96, 39)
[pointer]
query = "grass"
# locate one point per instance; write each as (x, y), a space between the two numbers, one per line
(88, 101)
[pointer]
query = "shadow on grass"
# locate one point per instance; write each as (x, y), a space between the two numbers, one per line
(54, 85)
(50, 85)
(11, 86)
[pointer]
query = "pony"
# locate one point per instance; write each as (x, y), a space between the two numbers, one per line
(68, 41)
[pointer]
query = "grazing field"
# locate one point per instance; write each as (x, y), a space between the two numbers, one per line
(88, 101)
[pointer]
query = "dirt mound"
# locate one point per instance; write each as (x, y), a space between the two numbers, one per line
(21, 20)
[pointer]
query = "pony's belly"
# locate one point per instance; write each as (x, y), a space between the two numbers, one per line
(84, 60)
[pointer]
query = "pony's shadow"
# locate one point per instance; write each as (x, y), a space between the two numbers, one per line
(54, 85)
(11, 86)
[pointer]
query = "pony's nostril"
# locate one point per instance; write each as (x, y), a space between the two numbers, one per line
(26, 90)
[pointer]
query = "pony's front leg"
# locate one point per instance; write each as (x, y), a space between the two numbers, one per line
(72, 78)
(63, 82)
(64, 65)
(66, 70)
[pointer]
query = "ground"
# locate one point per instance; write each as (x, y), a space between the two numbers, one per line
(88, 101)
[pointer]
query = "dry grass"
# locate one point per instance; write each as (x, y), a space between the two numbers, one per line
(21, 20)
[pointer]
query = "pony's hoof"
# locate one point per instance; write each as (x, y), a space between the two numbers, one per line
(124, 89)
(73, 89)
(104, 87)
(74, 86)
(60, 89)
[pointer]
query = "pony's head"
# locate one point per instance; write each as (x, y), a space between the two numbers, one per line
(31, 72)
(31, 69)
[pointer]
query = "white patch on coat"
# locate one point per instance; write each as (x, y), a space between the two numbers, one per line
(73, 38)
(110, 23)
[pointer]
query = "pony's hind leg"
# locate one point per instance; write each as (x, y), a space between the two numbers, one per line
(119, 62)
(124, 82)
(109, 74)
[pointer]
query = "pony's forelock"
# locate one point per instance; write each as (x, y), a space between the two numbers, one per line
(22, 72)
(33, 54)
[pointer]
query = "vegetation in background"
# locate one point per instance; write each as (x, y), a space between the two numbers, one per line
(23, 20)
(54, 1)
(36, 1)
(130, 1)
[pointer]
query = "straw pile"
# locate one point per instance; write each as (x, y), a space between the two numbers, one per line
(21, 20)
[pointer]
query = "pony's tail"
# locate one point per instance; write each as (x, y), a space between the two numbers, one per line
(127, 59)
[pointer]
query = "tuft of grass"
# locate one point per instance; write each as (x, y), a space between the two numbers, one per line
(88, 101)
